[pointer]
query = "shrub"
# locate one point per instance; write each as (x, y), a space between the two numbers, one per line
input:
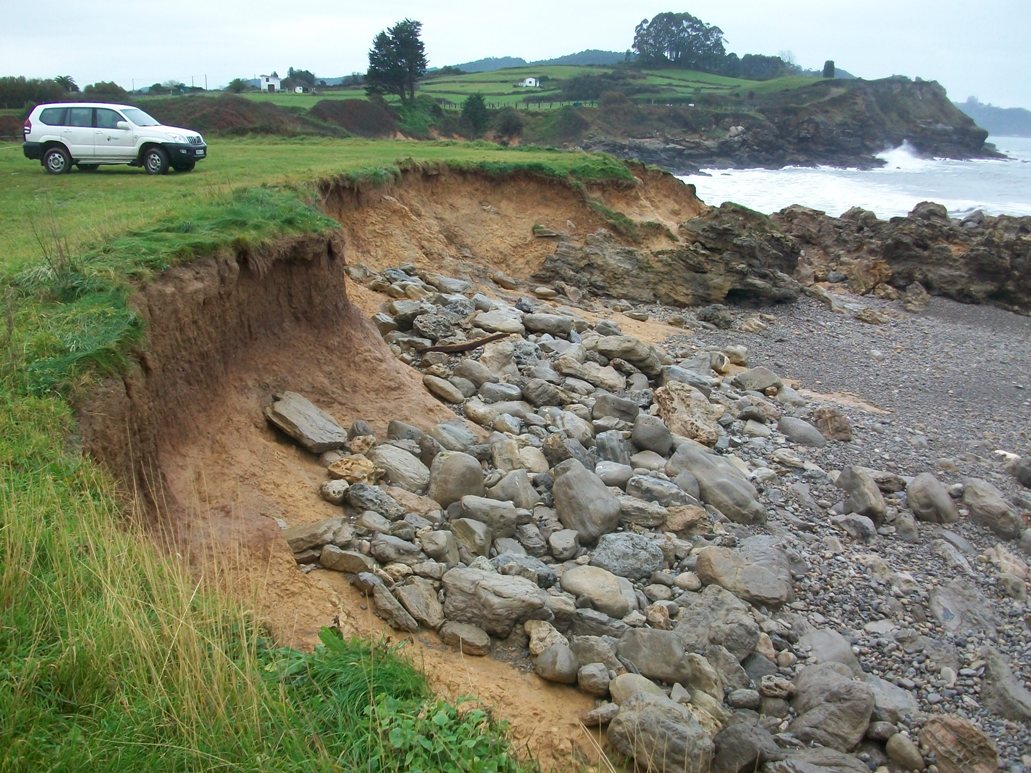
(509, 123)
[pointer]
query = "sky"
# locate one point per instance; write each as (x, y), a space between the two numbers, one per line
(973, 49)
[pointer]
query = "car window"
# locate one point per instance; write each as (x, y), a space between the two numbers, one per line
(53, 116)
(140, 118)
(80, 116)
(106, 119)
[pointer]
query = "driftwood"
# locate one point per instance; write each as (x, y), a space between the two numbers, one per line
(466, 346)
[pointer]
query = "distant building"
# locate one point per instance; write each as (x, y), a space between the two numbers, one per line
(270, 83)
(530, 83)
(301, 89)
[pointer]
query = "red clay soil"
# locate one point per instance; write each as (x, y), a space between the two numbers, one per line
(185, 428)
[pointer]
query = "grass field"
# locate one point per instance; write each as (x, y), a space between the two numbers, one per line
(501, 87)
(112, 657)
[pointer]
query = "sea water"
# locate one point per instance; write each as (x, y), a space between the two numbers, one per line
(994, 186)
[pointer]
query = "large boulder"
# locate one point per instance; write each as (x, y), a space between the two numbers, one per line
(401, 468)
(862, 495)
(304, 422)
(833, 710)
(758, 572)
(605, 591)
(660, 735)
(988, 506)
(688, 412)
(720, 484)
(583, 502)
(627, 554)
(930, 501)
(959, 746)
(494, 602)
(716, 616)
(454, 475)
(656, 654)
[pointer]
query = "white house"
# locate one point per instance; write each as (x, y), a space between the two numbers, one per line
(270, 82)
(530, 83)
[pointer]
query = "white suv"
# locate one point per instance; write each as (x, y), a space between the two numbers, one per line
(88, 134)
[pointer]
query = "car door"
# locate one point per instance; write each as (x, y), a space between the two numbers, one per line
(78, 131)
(111, 143)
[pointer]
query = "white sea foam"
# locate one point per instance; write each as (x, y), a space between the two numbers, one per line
(906, 179)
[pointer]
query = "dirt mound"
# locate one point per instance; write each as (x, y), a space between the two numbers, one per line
(230, 114)
(357, 116)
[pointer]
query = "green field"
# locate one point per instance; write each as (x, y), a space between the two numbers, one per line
(112, 657)
(501, 87)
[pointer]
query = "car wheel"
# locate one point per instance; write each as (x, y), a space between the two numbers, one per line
(88, 167)
(155, 161)
(56, 160)
(186, 166)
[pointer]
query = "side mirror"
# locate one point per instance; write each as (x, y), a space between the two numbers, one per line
(122, 125)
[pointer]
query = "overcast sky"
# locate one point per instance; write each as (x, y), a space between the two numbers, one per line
(979, 49)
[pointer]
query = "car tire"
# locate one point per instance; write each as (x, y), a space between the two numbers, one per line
(88, 167)
(56, 160)
(186, 166)
(155, 161)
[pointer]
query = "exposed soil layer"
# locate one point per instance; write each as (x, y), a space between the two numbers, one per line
(185, 430)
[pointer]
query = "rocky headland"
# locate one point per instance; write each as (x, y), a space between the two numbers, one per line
(832, 123)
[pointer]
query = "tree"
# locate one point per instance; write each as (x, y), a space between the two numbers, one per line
(397, 60)
(237, 86)
(475, 115)
(305, 78)
(679, 39)
(107, 89)
(66, 82)
(828, 68)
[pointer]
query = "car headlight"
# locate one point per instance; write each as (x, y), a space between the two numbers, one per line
(177, 138)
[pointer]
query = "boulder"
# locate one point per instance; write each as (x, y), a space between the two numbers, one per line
(719, 483)
(760, 575)
(660, 735)
(500, 516)
(625, 554)
(862, 495)
(495, 602)
(583, 502)
(688, 412)
(331, 531)
(453, 475)
(1003, 692)
(651, 434)
(633, 350)
(930, 501)
(988, 506)
(716, 616)
(419, 597)
(961, 608)
(757, 380)
(958, 745)
(801, 432)
(656, 654)
(468, 638)
(625, 686)
(605, 591)
(312, 428)
(401, 468)
(557, 663)
(833, 710)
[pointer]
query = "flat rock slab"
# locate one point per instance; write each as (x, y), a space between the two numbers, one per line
(303, 421)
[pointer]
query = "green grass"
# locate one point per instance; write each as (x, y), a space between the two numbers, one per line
(112, 654)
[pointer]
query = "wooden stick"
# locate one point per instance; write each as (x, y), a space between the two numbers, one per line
(467, 346)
